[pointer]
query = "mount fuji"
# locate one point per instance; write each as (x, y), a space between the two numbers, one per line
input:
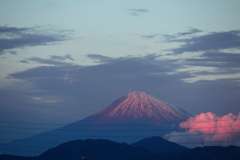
(137, 107)
(130, 118)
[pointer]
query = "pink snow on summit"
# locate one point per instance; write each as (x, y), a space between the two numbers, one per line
(139, 105)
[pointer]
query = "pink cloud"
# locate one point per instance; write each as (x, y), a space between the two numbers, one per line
(72, 80)
(66, 77)
(208, 129)
(69, 79)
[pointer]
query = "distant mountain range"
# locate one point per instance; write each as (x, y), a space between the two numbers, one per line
(132, 117)
(153, 148)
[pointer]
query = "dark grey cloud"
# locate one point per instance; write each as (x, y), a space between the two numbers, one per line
(13, 37)
(137, 11)
(23, 61)
(170, 38)
(53, 60)
(13, 52)
(208, 42)
(179, 37)
(65, 57)
(189, 32)
(216, 59)
(108, 81)
(47, 61)
(104, 59)
(12, 30)
(150, 36)
(120, 75)
(99, 58)
(123, 66)
(211, 46)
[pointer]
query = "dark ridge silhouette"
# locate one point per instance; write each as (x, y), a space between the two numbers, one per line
(204, 153)
(95, 149)
(160, 145)
(101, 149)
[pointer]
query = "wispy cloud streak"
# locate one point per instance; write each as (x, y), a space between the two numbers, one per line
(14, 37)
(137, 11)
(210, 42)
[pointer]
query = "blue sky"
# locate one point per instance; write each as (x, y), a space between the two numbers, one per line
(61, 61)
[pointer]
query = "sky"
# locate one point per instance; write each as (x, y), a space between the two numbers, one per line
(62, 61)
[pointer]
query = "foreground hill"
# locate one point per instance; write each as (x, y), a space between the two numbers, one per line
(95, 149)
(204, 153)
(105, 149)
(160, 145)
(101, 149)
(92, 149)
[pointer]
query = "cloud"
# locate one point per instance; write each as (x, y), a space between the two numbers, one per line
(171, 38)
(217, 50)
(14, 38)
(181, 36)
(65, 57)
(224, 66)
(212, 77)
(53, 60)
(69, 79)
(118, 76)
(23, 61)
(189, 32)
(49, 99)
(137, 11)
(216, 59)
(12, 30)
(123, 66)
(209, 42)
(150, 36)
(99, 58)
(208, 129)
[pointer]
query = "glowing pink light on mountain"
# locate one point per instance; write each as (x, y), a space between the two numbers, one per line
(139, 106)
(209, 129)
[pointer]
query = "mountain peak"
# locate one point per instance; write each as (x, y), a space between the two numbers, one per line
(138, 105)
(138, 93)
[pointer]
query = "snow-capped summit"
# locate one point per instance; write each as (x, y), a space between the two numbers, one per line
(139, 106)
